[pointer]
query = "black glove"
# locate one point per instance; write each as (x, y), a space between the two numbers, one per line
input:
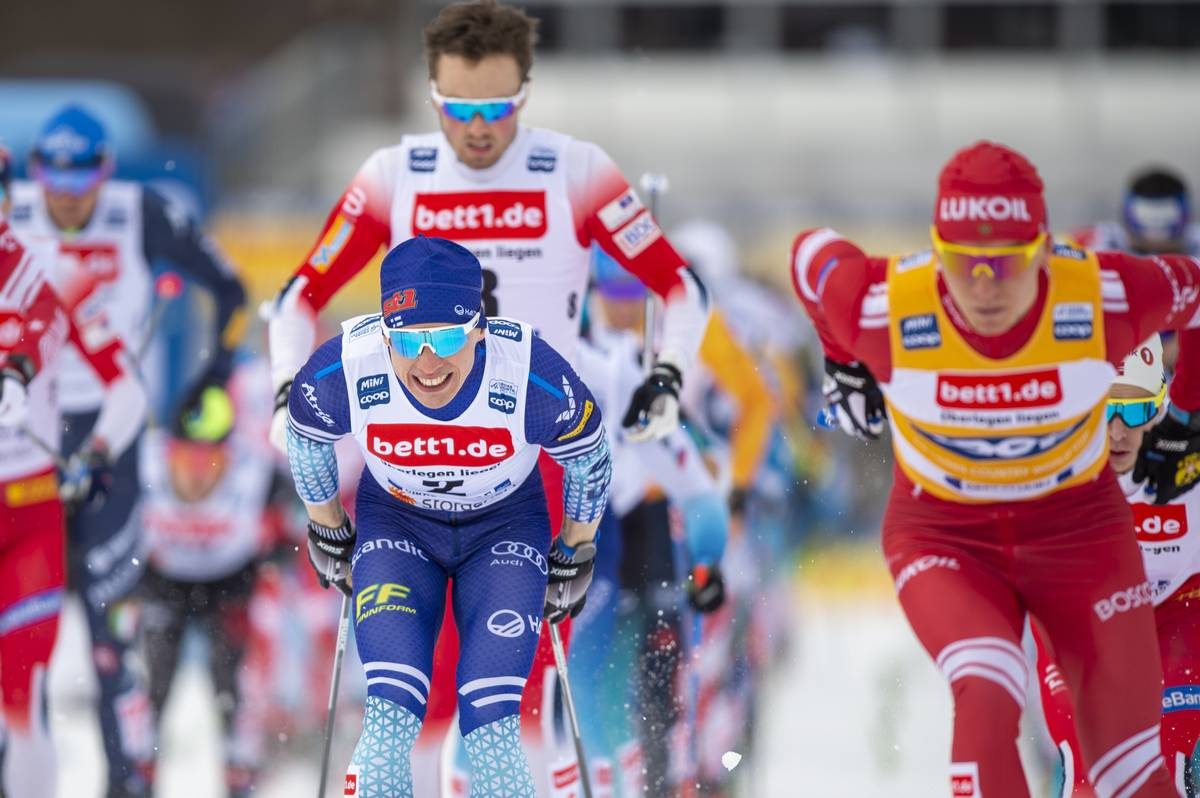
(854, 400)
(85, 480)
(654, 408)
(705, 588)
(569, 579)
(1169, 459)
(329, 550)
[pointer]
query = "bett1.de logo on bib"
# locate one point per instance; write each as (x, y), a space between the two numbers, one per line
(414, 445)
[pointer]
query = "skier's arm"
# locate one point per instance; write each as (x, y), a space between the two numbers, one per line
(170, 234)
(1142, 295)
(353, 233)
(608, 212)
(562, 417)
(833, 279)
(318, 415)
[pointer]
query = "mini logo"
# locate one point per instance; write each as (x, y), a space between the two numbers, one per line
(506, 623)
(422, 159)
(541, 159)
(920, 332)
(1158, 523)
(474, 215)
(373, 390)
(505, 329)
(1041, 388)
(983, 209)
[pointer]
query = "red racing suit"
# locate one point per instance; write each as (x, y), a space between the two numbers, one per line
(968, 568)
(34, 327)
(531, 219)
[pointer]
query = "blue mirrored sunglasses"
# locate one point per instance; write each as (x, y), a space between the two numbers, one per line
(462, 109)
(442, 341)
(1136, 412)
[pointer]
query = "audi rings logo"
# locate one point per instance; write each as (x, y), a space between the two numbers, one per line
(506, 623)
(511, 548)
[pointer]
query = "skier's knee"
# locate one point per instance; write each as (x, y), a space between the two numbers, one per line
(488, 700)
(399, 684)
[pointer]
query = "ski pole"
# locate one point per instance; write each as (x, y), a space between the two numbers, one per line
(560, 662)
(335, 680)
(655, 186)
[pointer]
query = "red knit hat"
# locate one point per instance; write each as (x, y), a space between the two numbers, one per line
(988, 192)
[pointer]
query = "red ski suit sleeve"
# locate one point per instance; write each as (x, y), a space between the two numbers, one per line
(844, 292)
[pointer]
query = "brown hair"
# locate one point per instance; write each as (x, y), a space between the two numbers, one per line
(477, 29)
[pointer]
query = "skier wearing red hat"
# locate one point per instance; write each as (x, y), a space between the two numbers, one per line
(990, 357)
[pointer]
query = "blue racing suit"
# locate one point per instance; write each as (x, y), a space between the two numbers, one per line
(452, 492)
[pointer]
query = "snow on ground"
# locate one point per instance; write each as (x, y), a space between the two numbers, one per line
(859, 710)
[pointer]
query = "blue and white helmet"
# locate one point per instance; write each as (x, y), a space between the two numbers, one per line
(71, 154)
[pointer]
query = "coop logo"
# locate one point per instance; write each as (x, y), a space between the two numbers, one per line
(1013, 447)
(505, 329)
(1001, 391)
(467, 215)
(415, 445)
(373, 390)
(1158, 523)
(983, 209)
(422, 159)
(502, 396)
(1124, 601)
(541, 159)
(920, 332)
